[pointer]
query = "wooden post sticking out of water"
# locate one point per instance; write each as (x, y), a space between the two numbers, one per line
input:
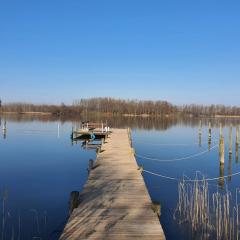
(58, 130)
(5, 129)
(209, 130)
(5, 125)
(90, 164)
(200, 133)
(237, 143)
(209, 135)
(221, 150)
(220, 130)
(102, 127)
(230, 140)
(237, 135)
(221, 174)
(230, 167)
(74, 201)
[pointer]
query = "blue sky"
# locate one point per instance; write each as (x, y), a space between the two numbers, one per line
(54, 51)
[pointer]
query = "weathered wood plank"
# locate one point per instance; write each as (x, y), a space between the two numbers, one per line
(114, 203)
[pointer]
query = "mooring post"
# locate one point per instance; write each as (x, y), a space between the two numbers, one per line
(5, 125)
(5, 129)
(237, 135)
(209, 135)
(74, 201)
(220, 130)
(58, 130)
(209, 130)
(200, 133)
(230, 140)
(102, 126)
(90, 164)
(230, 167)
(237, 143)
(221, 176)
(221, 150)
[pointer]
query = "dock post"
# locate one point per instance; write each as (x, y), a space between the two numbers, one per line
(221, 174)
(90, 164)
(220, 130)
(58, 130)
(209, 135)
(237, 144)
(5, 129)
(230, 167)
(200, 133)
(230, 140)
(102, 127)
(221, 150)
(74, 201)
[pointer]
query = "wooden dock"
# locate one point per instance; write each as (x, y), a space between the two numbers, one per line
(114, 203)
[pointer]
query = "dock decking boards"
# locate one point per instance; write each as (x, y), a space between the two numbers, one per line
(114, 203)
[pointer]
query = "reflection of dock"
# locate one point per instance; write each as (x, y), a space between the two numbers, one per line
(114, 203)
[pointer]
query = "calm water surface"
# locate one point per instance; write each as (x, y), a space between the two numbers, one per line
(39, 167)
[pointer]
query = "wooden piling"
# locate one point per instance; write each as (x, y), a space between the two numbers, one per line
(230, 140)
(237, 135)
(209, 135)
(220, 130)
(221, 150)
(200, 133)
(74, 201)
(237, 145)
(221, 176)
(230, 167)
(209, 130)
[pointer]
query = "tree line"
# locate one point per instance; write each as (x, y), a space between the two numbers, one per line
(114, 106)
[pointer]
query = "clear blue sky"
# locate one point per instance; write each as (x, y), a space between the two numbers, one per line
(54, 51)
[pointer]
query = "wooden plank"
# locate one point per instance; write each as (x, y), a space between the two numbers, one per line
(114, 203)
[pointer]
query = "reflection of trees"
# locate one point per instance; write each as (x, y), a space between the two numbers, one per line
(150, 123)
(120, 106)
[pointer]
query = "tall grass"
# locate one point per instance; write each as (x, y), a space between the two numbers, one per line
(207, 215)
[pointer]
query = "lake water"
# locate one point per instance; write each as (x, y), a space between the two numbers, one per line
(40, 167)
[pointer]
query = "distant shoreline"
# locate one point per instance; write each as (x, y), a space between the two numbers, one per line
(124, 115)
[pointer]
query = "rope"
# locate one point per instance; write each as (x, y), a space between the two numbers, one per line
(178, 144)
(176, 159)
(191, 180)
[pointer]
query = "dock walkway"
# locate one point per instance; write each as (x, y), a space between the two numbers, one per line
(114, 203)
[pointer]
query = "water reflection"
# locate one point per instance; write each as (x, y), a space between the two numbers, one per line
(52, 171)
(147, 123)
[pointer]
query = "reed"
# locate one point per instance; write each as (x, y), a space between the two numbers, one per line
(208, 215)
